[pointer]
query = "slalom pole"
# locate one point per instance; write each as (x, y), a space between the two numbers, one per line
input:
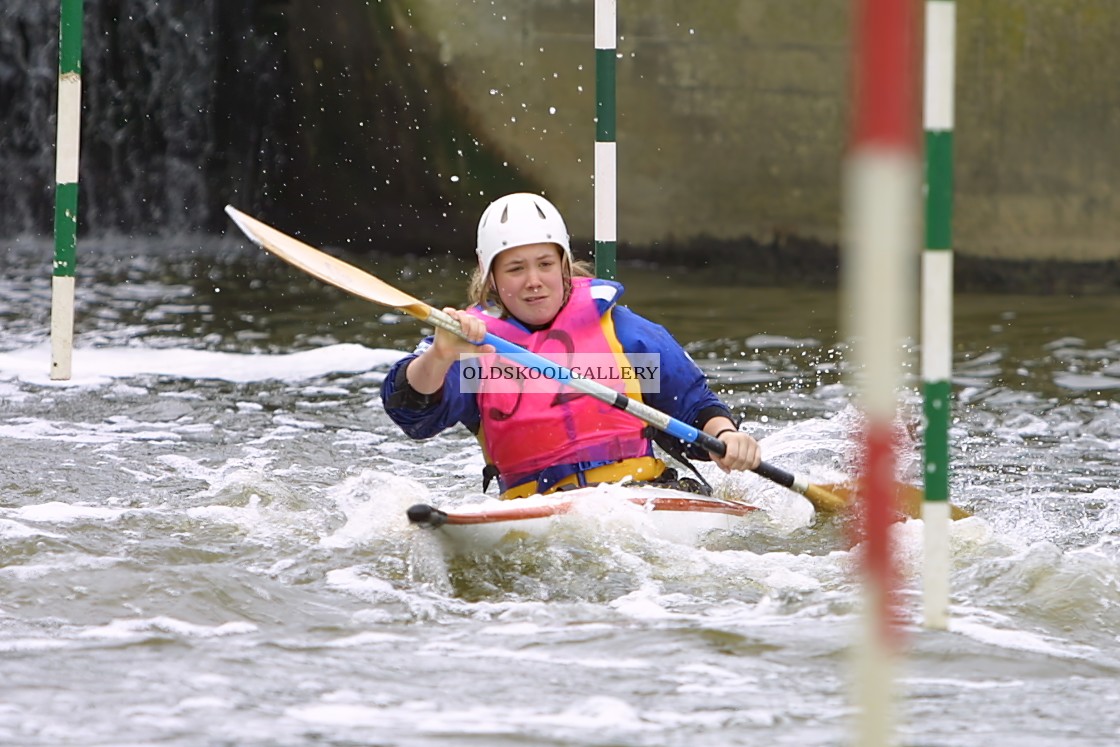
(606, 169)
(937, 304)
(882, 179)
(67, 141)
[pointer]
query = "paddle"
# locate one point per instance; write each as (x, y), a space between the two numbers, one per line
(349, 278)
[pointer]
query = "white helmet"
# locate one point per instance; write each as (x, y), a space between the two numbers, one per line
(518, 220)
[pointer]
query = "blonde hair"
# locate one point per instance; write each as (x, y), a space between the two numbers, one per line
(482, 291)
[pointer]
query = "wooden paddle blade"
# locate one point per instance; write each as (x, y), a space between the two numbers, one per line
(325, 267)
(825, 500)
(910, 500)
(956, 512)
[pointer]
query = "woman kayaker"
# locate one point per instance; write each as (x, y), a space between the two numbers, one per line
(537, 436)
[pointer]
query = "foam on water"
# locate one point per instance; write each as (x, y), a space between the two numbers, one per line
(55, 512)
(13, 530)
(1000, 633)
(99, 366)
(143, 628)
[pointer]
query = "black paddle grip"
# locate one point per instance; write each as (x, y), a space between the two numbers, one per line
(710, 443)
(770, 472)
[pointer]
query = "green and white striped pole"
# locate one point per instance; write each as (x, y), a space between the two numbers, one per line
(937, 304)
(66, 191)
(606, 169)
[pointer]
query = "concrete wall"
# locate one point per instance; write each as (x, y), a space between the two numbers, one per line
(1038, 123)
(733, 115)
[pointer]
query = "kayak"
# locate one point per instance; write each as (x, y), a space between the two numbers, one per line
(662, 513)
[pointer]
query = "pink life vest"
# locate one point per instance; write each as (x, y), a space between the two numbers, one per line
(540, 423)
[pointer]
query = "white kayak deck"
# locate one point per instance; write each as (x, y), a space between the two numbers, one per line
(666, 514)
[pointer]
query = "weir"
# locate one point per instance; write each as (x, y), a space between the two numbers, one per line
(184, 103)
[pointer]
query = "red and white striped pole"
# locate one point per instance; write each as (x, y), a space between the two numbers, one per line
(882, 198)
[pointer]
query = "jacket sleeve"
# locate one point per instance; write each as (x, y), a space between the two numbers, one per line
(423, 416)
(683, 390)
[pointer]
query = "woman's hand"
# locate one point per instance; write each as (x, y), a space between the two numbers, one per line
(743, 452)
(449, 347)
(426, 372)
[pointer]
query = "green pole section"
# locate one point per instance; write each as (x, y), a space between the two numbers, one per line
(66, 189)
(605, 72)
(939, 198)
(606, 172)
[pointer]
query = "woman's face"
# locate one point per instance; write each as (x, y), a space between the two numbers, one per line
(530, 282)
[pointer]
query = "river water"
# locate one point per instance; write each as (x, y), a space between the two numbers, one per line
(204, 543)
